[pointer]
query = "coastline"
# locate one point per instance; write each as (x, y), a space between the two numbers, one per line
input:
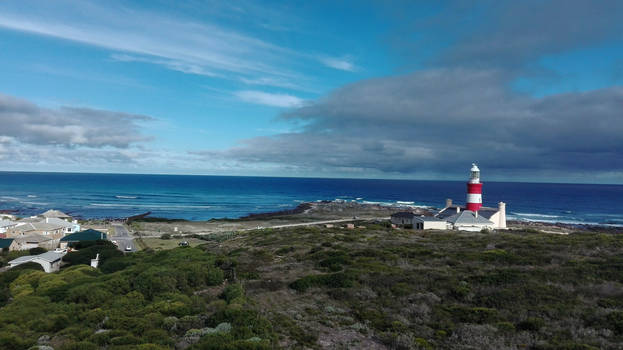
(324, 213)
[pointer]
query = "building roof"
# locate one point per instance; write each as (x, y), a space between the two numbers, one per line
(86, 235)
(52, 213)
(7, 223)
(36, 226)
(403, 214)
(5, 242)
(47, 256)
(59, 222)
(468, 217)
(32, 239)
(448, 211)
(427, 218)
(487, 212)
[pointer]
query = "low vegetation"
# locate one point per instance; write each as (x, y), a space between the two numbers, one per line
(373, 288)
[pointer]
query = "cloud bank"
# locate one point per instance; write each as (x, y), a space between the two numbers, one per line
(28, 123)
(441, 120)
(461, 107)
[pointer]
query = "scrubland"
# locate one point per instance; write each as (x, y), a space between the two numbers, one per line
(314, 288)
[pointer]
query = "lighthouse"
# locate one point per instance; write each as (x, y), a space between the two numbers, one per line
(474, 190)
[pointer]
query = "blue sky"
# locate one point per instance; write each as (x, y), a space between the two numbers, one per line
(353, 89)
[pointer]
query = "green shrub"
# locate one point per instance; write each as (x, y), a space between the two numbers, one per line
(333, 280)
(532, 324)
(36, 251)
(165, 236)
(232, 291)
(83, 345)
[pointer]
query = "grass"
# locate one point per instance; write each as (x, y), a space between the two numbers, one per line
(313, 287)
(160, 244)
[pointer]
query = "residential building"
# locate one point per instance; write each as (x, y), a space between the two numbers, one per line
(7, 244)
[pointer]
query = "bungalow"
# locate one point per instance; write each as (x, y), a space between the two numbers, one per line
(5, 225)
(34, 241)
(7, 244)
(50, 261)
(68, 227)
(52, 230)
(468, 220)
(82, 236)
(56, 214)
(418, 222)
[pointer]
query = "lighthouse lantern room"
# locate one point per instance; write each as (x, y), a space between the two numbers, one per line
(474, 190)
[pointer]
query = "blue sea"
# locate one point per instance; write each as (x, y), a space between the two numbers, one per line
(207, 197)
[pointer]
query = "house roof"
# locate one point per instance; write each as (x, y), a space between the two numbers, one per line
(59, 222)
(428, 218)
(448, 211)
(52, 213)
(86, 235)
(403, 214)
(47, 256)
(32, 239)
(487, 212)
(468, 217)
(7, 223)
(36, 226)
(5, 242)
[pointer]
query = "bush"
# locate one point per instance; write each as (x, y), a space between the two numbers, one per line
(36, 251)
(165, 236)
(333, 280)
(232, 291)
(532, 324)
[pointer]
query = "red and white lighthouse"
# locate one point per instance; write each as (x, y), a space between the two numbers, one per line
(474, 190)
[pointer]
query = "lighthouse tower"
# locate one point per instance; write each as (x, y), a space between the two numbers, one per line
(474, 190)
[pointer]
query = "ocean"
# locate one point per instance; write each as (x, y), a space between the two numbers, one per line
(207, 197)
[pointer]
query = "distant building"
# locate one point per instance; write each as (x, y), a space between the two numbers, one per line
(417, 222)
(5, 225)
(82, 236)
(472, 217)
(55, 214)
(50, 261)
(34, 241)
(7, 244)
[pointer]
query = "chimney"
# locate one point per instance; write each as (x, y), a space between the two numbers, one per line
(47, 220)
(448, 202)
(458, 209)
(502, 215)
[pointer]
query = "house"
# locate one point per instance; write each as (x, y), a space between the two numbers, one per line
(50, 261)
(468, 220)
(418, 222)
(34, 241)
(496, 215)
(68, 226)
(52, 230)
(56, 214)
(7, 244)
(5, 225)
(82, 236)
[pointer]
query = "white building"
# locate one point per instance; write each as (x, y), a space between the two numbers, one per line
(50, 261)
(6, 225)
(497, 216)
(417, 222)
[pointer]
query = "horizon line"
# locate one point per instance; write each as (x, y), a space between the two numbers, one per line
(297, 177)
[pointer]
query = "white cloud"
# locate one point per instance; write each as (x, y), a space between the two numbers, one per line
(173, 42)
(269, 99)
(343, 63)
(25, 122)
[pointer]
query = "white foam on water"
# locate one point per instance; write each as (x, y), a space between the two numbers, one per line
(126, 197)
(537, 215)
(148, 206)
